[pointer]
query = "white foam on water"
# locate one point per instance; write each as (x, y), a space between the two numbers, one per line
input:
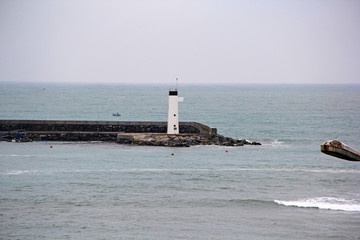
(273, 143)
(18, 172)
(314, 170)
(276, 143)
(329, 203)
(14, 155)
(297, 169)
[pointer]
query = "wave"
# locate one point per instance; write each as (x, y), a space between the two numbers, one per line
(297, 169)
(315, 170)
(329, 203)
(184, 170)
(15, 155)
(274, 143)
(18, 172)
(250, 201)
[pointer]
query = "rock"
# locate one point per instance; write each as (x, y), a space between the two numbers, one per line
(246, 142)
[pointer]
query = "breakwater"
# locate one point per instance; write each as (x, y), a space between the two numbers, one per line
(123, 132)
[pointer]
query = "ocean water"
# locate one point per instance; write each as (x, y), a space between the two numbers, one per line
(284, 189)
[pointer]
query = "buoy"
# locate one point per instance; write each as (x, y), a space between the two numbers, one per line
(51, 146)
(226, 151)
(172, 154)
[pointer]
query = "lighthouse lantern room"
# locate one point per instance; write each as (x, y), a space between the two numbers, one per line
(173, 113)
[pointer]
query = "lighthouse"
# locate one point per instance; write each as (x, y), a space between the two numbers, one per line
(173, 112)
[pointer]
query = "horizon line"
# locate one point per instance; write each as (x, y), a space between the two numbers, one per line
(165, 83)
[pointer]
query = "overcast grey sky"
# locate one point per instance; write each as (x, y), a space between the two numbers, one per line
(199, 41)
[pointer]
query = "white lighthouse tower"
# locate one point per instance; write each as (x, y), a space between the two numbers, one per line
(173, 113)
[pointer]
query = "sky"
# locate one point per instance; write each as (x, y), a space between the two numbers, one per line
(197, 41)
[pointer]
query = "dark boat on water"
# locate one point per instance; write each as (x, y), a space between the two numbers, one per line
(116, 114)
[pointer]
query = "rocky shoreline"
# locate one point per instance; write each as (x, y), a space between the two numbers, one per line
(141, 139)
(180, 140)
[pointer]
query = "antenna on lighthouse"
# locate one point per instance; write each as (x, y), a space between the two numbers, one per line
(177, 82)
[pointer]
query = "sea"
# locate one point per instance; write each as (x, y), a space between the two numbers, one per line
(284, 189)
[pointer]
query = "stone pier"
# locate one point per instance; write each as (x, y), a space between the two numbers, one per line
(122, 132)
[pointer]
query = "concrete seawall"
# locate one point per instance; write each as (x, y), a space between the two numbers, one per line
(123, 132)
(93, 130)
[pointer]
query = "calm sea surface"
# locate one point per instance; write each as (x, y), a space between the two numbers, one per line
(284, 189)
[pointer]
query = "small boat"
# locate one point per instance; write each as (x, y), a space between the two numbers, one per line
(338, 149)
(116, 115)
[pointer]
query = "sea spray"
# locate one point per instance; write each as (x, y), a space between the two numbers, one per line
(329, 203)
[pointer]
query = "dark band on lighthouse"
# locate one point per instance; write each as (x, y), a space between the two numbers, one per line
(173, 93)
